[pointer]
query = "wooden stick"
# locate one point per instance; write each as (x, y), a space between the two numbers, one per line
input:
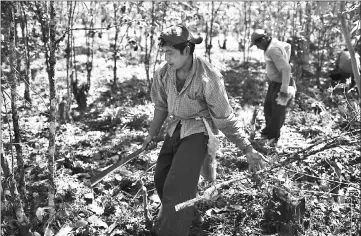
(208, 191)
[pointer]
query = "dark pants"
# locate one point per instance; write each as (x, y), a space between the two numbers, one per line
(176, 179)
(274, 113)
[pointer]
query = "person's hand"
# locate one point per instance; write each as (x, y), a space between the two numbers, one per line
(283, 95)
(147, 141)
(256, 161)
(211, 193)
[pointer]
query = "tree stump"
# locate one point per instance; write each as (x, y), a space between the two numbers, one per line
(284, 213)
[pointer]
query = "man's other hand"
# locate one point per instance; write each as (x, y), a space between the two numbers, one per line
(256, 161)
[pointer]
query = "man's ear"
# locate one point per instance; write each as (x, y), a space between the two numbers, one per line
(188, 49)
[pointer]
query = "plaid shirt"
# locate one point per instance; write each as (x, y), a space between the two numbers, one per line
(203, 95)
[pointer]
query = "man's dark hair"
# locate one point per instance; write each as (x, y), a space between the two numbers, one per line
(180, 47)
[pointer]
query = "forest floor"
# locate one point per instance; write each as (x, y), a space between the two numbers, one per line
(317, 159)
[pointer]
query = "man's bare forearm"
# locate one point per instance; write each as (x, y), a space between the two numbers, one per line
(286, 76)
(157, 122)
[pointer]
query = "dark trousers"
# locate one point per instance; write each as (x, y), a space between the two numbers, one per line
(274, 113)
(176, 179)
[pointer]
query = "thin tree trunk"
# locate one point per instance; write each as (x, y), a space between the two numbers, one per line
(46, 17)
(210, 34)
(90, 45)
(249, 28)
(75, 74)
(1, 153)
(210, 45)
(245, 30)
(51, 61)
(22, 220)
(157, 54)
(346, 34)
(148, 54)
(15, 115)
(305, 45)
(115, 7)
(24, 32)
(69, 62)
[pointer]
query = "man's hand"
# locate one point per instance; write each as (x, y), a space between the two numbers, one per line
(256, 161)
(211, 193)
(147, 141)
(283, 95)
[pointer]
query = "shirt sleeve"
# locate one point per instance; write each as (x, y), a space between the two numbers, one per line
(282, 65)
(222, 113)
(158, 93)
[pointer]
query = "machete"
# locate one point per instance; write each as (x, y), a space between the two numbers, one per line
(98, 177)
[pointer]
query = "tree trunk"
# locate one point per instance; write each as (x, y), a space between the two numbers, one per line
(249, 29)
(69, 64)
(209, 48)
(157, 54)
(148, 54)
(51, 61)
(22, 220)
(90, 45)
(350, 48)
(14, 109)
(48, 28)
(305, 45)
(1, 154)
(115, 51)
(245, 30)
(24, 32)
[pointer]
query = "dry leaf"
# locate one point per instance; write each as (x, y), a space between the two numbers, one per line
(80, 223)
(64, 231)
(97, 222)
(96, 209)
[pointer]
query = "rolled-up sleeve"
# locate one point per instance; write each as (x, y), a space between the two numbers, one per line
(222, 113)
(158, 93)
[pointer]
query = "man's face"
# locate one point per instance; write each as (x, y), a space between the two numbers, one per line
(261, 43)
(174, 57)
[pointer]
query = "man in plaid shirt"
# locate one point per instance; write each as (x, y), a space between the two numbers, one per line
(185, 88)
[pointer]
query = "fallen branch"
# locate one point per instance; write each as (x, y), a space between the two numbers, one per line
(210, 192)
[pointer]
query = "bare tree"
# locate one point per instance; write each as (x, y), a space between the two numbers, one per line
(18, 195)
(69, 65)
(46, 17)
(148, 50)
(25, 35)
(115, 46)
(90, 44)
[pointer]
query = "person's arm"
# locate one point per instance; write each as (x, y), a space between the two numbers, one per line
(159, 97)
(222, 114)
(282, 65)
(223, 117)
(157, 122)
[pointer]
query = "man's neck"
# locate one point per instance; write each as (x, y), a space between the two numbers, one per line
(187, 67)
